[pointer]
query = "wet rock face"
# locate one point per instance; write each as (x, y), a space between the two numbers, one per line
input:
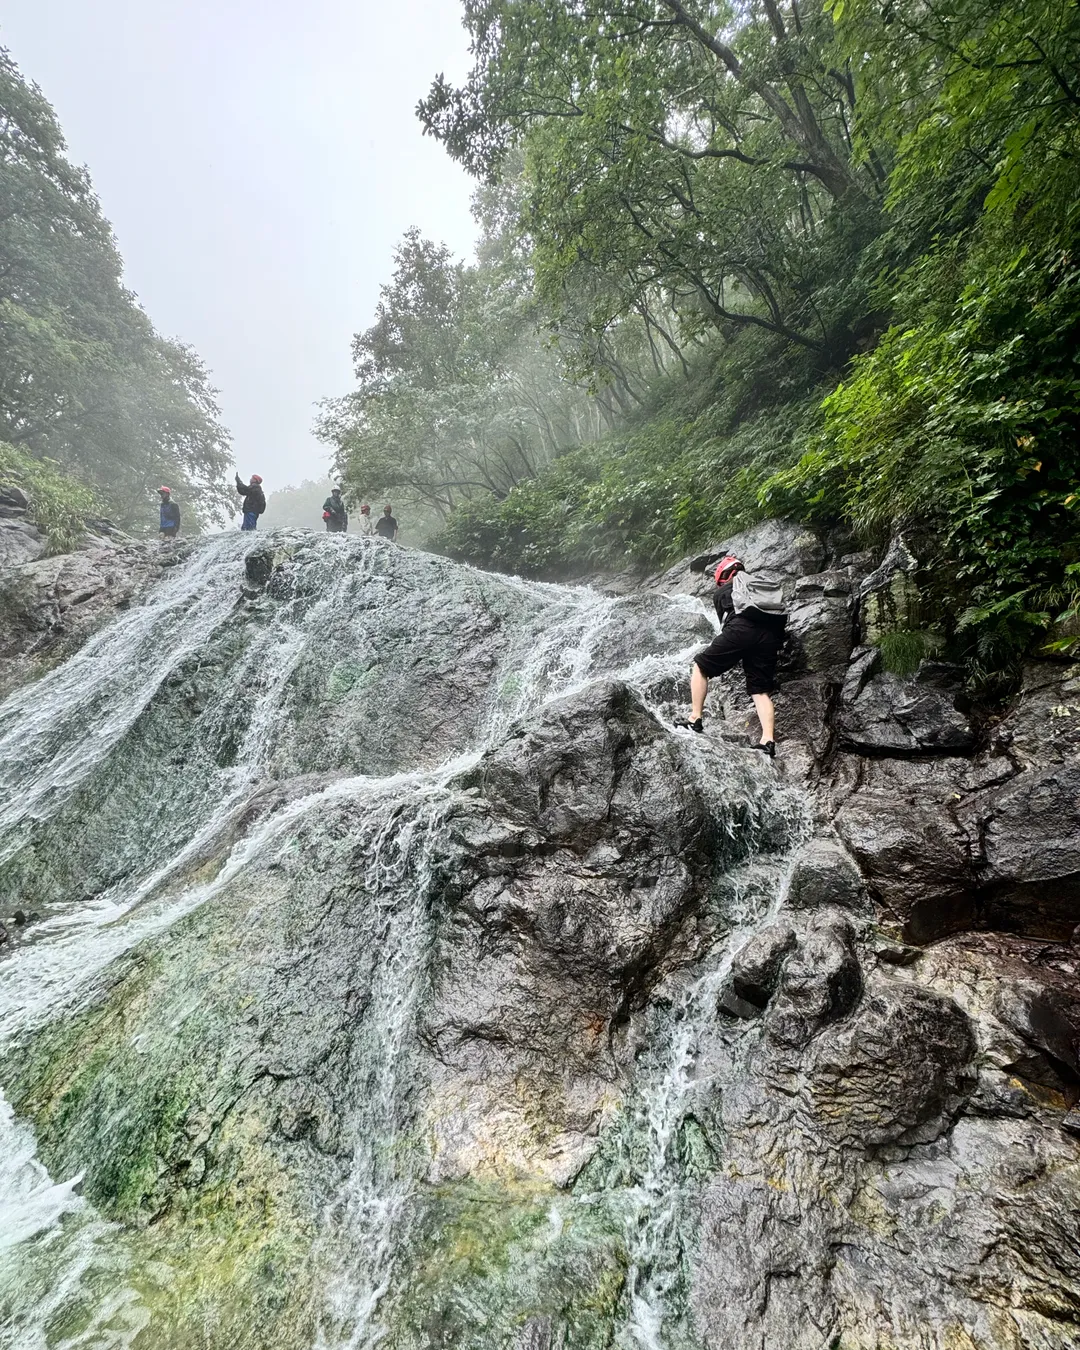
(464, 977)
(20, 540)
(585, 864)
(901, 717)
(887, 1174)
(50, 606)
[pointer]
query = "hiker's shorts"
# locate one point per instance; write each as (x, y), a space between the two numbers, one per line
(756, 646)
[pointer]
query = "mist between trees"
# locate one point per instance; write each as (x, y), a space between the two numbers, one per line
(737, 260)
(96, 408)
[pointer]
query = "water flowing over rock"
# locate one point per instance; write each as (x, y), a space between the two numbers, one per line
(401, 976)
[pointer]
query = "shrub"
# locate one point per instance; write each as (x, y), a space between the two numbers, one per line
(59, 503)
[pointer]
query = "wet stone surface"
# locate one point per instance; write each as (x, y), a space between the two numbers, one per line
(404, 978)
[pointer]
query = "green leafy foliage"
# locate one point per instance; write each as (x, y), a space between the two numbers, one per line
(85, 381)
(815, 260)
(59, 503)
(689, 471)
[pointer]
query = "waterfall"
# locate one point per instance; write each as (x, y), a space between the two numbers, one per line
(176, 762)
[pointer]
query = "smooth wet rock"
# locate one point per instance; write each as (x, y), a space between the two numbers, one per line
(821, 981)
(1029, 831)
(755, 971)
(902, 717)
(823, 874)
(20, 542)
(916, 860)
(820, 629)
(778, 546)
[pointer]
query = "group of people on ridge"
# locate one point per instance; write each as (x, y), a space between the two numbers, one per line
(335, 512)
(750, 609)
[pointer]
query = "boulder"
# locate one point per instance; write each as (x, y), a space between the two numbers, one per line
(904, 717)
(821, 981)
(20, 542)
(824, 874)
(916, 860)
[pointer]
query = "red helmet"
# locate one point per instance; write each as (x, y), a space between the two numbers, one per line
(726, 568)
(256, 477)
(365, 510)
(167, 491)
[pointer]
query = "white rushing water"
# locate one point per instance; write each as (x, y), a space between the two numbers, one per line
(56, 1254)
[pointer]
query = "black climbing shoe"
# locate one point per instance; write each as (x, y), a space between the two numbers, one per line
(767, 748)
(687, 725)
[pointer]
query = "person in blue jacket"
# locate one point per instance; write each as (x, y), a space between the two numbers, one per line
(168, 515)
(254, 503)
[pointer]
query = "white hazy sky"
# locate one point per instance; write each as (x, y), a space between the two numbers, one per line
(258, 160)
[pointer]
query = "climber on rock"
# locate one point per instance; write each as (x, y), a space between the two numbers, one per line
(254, 503)
(367, 525)
(168, 514)
(752, 622)
(335, 513)
(386, 525)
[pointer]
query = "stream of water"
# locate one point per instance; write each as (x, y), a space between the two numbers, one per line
(63, 1269)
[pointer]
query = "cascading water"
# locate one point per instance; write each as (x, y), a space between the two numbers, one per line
(283, 761)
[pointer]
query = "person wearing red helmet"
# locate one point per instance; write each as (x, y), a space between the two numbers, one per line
(254, 503)
(386, 526)
(367, 525)
(752, 622)
(168, 514)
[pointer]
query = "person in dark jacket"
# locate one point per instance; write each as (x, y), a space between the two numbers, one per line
(168, 514)
(386, 525)
(754, 639)
(335, 513)
(254, 503)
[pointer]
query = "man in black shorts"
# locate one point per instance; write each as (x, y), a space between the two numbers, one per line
(751, 636)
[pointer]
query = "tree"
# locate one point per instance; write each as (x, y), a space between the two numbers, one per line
(84, 379)
(457, 395)
(697, 153)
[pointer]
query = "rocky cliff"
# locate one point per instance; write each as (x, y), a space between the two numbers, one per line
(403, 977)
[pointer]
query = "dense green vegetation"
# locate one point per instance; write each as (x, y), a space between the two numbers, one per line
(60, 503)
(88, 389)
(808, 258)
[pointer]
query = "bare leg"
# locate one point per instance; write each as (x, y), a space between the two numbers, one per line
(699, 687)
(763, 706)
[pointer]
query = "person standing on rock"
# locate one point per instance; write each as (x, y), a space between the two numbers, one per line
(168, 514)
(335, 513)
(752, 622)
(254, 503)
(387, 525)
(367, 525)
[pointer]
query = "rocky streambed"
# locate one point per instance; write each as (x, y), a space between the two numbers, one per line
(403, 978)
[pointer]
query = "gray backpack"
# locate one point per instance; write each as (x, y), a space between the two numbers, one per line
(757, 591)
